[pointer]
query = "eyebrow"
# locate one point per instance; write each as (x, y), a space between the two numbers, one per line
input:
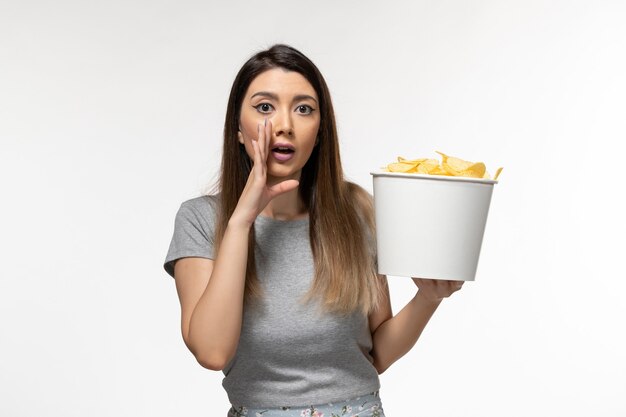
(275, 97)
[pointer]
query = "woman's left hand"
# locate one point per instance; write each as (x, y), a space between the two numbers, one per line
(435, 290)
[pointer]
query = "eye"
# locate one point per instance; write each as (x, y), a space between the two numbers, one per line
(305, 109)
(263, 107)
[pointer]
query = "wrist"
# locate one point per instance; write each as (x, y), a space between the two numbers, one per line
(422, 298)
(236, 224)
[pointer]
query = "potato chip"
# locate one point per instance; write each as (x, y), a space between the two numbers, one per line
(476, 170)
(411, 161)
(453, 165)
(450, 166)
(402, 167)
(428, 166)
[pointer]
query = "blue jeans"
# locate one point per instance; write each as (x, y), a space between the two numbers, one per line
(368, 405)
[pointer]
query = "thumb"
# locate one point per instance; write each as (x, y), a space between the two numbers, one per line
(283, 187)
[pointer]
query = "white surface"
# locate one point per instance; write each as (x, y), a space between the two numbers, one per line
(430, 226)
(111, 114)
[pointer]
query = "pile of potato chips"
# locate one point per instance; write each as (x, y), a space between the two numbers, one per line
(450, 166)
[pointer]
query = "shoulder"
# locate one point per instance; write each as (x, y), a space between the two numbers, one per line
(202, 203)
(202, 209)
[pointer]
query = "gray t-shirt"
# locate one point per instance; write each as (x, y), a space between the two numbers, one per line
(288, 354)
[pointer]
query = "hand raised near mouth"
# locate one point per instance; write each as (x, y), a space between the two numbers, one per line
(256, 193)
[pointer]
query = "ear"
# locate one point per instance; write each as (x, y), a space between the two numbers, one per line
(240, 136)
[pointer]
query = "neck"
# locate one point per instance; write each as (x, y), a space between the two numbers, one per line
(287, 206)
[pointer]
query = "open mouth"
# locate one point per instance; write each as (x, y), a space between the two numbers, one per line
(283, 152)
(283, 149)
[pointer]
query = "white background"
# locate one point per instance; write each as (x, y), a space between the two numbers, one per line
(111, 114)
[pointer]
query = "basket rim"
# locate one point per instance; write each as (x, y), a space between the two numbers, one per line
(432, 177)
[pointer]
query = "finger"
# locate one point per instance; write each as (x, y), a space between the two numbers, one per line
(255, 152)
(446, 288)
(443, 288)
(450, 288)
(262, 141)
(258, 163)
(268, 135)
(454, 286)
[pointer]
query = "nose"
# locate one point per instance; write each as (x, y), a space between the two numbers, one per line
(283, 125)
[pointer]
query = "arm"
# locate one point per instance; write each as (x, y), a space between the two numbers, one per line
(394, 337)
(212, 293)
(211, 322)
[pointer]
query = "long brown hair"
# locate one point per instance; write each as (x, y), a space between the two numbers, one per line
(341, 221)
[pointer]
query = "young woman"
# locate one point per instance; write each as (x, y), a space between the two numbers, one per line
(276, 270)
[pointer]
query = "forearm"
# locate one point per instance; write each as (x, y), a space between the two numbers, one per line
(215, 324)
(396, 336)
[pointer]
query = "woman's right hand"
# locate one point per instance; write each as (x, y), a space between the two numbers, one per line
(257, 194)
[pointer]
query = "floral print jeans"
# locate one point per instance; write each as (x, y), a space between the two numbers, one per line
(368, 405)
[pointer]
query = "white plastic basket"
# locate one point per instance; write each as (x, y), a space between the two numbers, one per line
(430, 226)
